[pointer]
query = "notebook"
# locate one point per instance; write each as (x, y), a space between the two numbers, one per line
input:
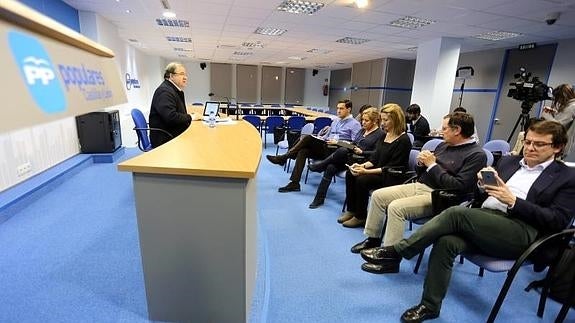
(345, 144)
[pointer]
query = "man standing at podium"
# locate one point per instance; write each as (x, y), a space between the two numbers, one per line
(168, 111)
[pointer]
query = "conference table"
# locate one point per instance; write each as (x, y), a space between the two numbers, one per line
(196, 211)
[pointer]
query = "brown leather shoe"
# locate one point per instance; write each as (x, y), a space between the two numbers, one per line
(344, 217)
(278, 160)
(354, 223)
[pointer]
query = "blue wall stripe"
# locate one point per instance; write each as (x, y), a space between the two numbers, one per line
(496, 100)
(406, 89)
(476, 90)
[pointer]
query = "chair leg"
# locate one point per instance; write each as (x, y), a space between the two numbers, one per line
(344, 205)
(418, 263)
(410, 225)
(461, 259)
(481, 271)
(502, 294)
(568, 304)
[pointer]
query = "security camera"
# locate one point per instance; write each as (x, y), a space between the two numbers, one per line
(552, 17)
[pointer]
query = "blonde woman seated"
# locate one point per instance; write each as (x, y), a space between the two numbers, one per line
(364, 145)
(391, 151)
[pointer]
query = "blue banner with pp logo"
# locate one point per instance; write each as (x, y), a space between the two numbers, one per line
(38, 72)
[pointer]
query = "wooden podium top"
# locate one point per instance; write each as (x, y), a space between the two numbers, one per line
(232, 150)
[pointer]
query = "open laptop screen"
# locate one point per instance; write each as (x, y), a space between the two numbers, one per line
(211, 106)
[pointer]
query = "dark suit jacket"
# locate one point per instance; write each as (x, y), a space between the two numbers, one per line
(550, 202)
(168, 112)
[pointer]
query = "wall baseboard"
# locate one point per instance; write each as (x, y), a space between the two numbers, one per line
(21, 195)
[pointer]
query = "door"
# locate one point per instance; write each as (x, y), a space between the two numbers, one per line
(536, 61)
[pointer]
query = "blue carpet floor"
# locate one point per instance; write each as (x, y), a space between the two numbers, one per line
(73, 256)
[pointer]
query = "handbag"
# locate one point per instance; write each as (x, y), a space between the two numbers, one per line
(443, 199)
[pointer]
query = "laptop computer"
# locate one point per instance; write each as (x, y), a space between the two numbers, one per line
(211, 106)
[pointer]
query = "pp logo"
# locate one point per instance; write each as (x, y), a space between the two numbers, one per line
(37, 71)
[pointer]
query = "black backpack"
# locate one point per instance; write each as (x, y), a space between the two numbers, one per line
(562, 279)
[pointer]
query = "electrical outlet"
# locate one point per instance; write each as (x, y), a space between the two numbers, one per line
(24, 169)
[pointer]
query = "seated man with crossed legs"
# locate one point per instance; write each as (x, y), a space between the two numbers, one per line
(533, 196)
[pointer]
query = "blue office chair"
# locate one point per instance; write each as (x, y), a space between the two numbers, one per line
(489, 157)
(295, 122)
(411, 137)
(558, 240)
(141, 128)
(256, 121)
(271, 123)
(431, 144)
(320, 123)
(498, 148)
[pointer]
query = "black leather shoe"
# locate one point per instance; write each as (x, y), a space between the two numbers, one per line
(380, 255)
(278, 160)
(316, 203)
(366, 244)
(290, 187)
(316, 167)
(418, 313)
(387, 268)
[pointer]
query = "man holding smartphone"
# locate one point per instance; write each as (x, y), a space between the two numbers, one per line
(532, 196)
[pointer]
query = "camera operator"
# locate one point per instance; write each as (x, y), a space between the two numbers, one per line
(562, 110)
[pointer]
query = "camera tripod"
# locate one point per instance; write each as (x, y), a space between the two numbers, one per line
(523, 118)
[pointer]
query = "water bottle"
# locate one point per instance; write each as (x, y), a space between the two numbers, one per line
(212, 119)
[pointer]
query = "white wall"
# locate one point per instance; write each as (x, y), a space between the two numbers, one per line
(313, 91)
(563, 70)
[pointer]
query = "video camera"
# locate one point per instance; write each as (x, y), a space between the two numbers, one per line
(528, 89)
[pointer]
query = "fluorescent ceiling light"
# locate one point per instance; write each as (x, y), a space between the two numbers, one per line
(257, 44)
(352, 40)
(173, 23)
(298, 6)
(412, 49)
(497, 35)
(180, 49)
(297, 58)
(179, 39)
(269, 31)
(410, 22)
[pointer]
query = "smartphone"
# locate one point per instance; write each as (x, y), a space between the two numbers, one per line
(489, 178)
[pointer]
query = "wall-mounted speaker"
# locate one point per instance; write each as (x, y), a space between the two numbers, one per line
(314, 72)
(203, 66)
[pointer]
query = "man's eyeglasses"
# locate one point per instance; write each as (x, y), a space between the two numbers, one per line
(181, 74)
(536, 144)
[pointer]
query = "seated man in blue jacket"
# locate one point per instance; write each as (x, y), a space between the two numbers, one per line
(533, 196)
(345, 127)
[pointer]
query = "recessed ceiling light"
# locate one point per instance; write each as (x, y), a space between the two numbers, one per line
(361, 3)
(412, 49)
(269, 31)
(497, 35)
(298, 6)
(352, 40)
(410, 22)
(169, 14)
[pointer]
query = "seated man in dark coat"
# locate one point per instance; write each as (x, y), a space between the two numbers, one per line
(168, 111)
